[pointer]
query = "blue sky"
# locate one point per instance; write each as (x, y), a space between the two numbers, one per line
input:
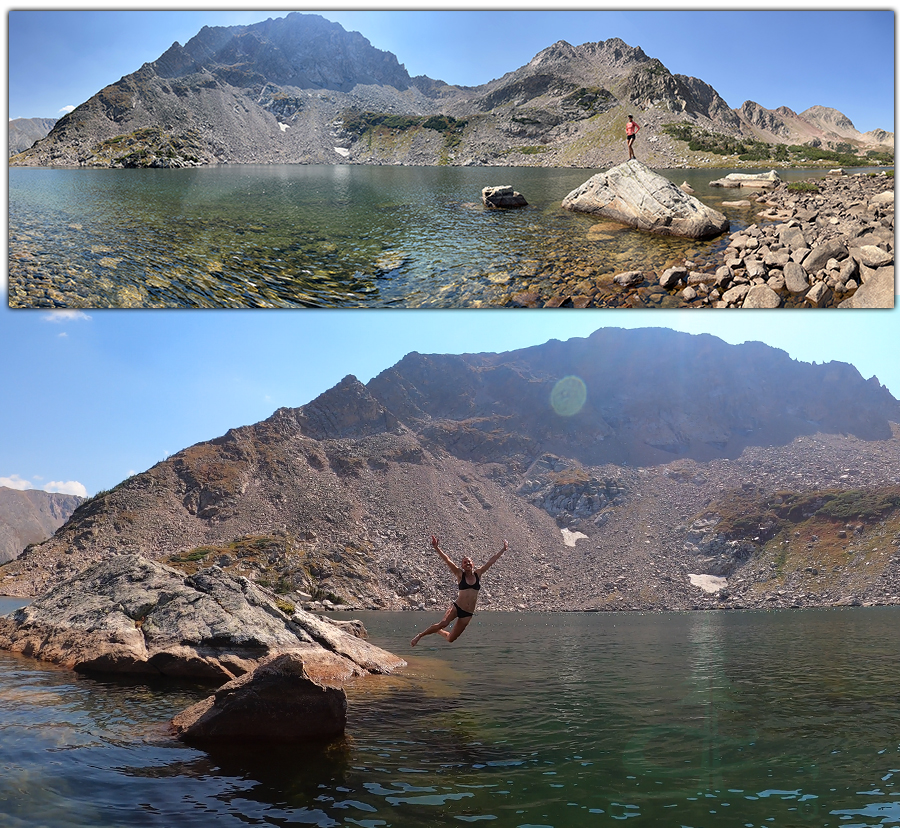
(90, 398)
(842, 59)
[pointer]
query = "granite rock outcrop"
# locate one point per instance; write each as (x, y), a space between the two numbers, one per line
(127, 614)
(277, 702)
(633, 194)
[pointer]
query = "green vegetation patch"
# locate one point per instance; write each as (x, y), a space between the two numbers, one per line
(530, 150)
(749, 513)
(861, 504)
(702, 140)
(802, 187)
(364, 124)
(195, 555)
(444, 123)
(359, 123)
(285, 606)
(286, 564)
(590, 98)
(145, 147)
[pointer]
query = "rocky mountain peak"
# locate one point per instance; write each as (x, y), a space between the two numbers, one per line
(829, 118)
(346, 411)
(769, 121)
(561, 50)
(305, 51)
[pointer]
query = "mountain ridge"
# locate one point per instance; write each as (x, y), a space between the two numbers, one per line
(338, 496)
(293, 90)
(22, 133)
(30, 516)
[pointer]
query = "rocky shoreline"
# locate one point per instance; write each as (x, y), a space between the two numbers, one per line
(828, 243)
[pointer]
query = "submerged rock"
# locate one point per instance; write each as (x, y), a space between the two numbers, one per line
(128, 614)
(635, 195)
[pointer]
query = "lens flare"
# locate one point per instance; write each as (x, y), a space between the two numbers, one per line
(568, 396)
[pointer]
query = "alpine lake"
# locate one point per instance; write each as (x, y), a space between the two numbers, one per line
(323, 236)
(530, 720)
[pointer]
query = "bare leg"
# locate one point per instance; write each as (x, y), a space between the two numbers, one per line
(438, 627)
(457, 631)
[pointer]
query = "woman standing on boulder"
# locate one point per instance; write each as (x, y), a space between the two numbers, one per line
(463, 608)
(631, 129)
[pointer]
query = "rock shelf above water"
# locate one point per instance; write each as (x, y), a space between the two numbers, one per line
(127, 614)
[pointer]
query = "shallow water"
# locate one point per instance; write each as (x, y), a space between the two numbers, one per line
(307, 236)
(699, 719)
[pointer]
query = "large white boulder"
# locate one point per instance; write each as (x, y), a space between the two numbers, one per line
(635, 195)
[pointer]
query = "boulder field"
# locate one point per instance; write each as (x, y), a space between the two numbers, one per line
(827, 243)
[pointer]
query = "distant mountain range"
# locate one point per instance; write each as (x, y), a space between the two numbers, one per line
(31, 516)
(23, 132)
(301, 89)
(622, 436)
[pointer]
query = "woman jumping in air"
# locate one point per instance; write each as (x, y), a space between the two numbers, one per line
(463, 608)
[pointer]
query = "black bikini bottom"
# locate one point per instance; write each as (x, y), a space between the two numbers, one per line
(461, 613)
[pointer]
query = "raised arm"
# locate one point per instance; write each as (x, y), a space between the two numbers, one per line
(457, 572)
(485, 567)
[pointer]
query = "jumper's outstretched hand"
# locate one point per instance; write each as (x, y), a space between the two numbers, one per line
(434, 541)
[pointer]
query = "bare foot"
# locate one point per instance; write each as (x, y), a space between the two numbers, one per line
(415, 641)
(444, 633)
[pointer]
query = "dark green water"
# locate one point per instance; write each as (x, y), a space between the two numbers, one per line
(689, 719)
(301, 236)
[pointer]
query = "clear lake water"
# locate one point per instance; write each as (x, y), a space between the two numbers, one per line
(745, 719)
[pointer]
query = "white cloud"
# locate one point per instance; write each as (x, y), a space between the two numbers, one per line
(64, 316)
(15, 482)
(62, 334)
(72, 487)
(67, 109)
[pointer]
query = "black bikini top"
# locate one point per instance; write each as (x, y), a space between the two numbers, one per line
(463, 584)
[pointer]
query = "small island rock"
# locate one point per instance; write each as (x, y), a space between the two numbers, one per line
(502, 197)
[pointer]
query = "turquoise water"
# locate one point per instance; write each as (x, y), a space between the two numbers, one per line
(679, 719)
(304, 236)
